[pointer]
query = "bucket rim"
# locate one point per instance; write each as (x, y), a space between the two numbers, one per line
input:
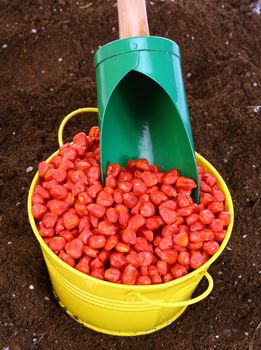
(201, 270)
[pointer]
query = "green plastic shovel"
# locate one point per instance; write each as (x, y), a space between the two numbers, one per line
(141, 98)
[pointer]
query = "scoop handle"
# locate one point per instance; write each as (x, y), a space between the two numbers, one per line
(133, 19)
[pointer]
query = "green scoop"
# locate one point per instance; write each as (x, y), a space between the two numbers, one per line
(142, 104)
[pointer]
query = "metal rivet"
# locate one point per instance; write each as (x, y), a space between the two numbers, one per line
(133, 45)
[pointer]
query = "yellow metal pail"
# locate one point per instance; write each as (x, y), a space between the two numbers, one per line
(118, 309)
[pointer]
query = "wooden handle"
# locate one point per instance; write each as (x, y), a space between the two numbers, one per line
(133, 19)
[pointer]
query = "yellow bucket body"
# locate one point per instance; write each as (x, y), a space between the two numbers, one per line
(123, 310)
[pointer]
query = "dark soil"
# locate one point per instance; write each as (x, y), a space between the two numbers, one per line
(46, 60)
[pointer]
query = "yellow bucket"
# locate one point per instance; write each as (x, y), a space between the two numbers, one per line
(118, 309)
